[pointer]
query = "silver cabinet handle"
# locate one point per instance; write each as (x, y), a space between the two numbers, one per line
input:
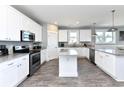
(6, 38)
(10, 64)
(24, 59)
(107, 55)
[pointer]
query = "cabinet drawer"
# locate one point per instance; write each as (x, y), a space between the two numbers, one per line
(7, 64)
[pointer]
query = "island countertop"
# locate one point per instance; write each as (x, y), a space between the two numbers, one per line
(68, 52)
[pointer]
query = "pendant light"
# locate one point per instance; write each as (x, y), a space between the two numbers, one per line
(94, 29)
(113, 28)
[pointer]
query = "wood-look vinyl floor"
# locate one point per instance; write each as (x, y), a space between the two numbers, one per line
(89, 76)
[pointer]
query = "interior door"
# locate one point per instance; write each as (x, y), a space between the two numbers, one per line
(52, 45)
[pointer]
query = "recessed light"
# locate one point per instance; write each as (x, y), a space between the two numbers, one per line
(77, 22)
(55, 22)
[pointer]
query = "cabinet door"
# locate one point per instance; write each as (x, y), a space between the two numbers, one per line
(8, 76)
(86, 51)
(13, 24)
(52, 45)
(43, 56)
(3, 22)
(80, 52)
(38, 33)
(98, 58)
(52, 53)
(63, 36)
(85, 35)
(23, 67)
(26, 23)
(109, 63)
(37, 29)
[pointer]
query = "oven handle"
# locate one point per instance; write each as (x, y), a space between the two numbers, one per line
(35, 54)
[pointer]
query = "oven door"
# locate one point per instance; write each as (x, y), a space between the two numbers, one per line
(35, 58)
(34, 63)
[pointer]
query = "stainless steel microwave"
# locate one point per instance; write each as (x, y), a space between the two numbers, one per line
(27, 36)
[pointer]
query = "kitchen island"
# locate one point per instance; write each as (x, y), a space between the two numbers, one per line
(68, 63)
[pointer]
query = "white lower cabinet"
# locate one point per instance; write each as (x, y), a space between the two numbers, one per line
(109, 63)
(85, 52)
(43, 56)
(14, 71)
(23, 68)
(52, 53)
(8, 74)
(80, 54)
(106, 62)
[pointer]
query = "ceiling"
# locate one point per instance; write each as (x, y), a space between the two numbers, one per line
(74, 15)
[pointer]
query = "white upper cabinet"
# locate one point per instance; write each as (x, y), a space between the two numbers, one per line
(32, 26)
(63, 36)
(85, 35)
(13, 24)
(26, 23)
(3, 22)
(10, 23)
(38, 34)
(37, 29)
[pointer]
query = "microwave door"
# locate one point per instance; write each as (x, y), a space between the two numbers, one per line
(32, 37)
(27, 36)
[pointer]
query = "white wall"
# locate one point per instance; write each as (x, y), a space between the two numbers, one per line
(44, 36)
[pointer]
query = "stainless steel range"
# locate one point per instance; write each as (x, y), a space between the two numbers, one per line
(34, 57)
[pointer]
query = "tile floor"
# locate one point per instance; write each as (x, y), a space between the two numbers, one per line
(89, 76)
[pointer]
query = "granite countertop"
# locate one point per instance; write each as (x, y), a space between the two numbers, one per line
(116, 51)
(43, 48)
(70, 52)
(11, 57)
(72, 47)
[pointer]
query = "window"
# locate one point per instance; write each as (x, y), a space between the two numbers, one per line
(105, 37)
(73, 37)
